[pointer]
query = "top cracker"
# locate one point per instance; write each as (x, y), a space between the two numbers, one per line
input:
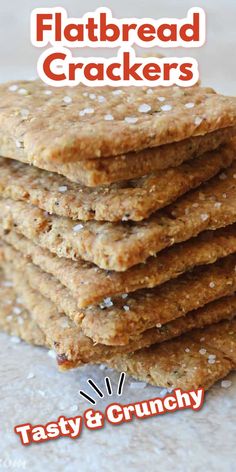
(42, 124)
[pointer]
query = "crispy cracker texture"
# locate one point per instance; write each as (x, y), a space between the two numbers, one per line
(14, 318)
(119, 321)
(103, 171)
(133, 200)
(74, 349)
(90, 285)
(31, 120)
(182, 362)
(118, 246)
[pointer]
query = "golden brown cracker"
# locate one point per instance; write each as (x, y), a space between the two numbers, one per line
(73, 348)
(179, 363)
(134, 200)
(118, 246)
(14, 318)
(90, 285)
(70, 124)
(120, 320)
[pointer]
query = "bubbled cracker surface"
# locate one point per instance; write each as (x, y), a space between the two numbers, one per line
(118, 321)
(132, 200)
(46, 126)
(89, 284)
(118, 246)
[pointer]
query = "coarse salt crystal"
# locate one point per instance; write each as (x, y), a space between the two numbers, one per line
(204, 216)
(126, 308)
(117, 92)
(19, 144)
(47, 92)
(78, 228)
(92, 96)
(217, 204)
(17, 310)
(108, 117)
(211, 358)
(144, 108)
(101, 99)
(226, 383)
(67, 99)
(23, 91)
(131, 119)
(187, 349)
(63, 189)
(166, 107)
(13, 88)
(86, 111)
(106, 303)
(161, 99)
(198, 120)
(212, 284)
(202, 351)
(189, 105)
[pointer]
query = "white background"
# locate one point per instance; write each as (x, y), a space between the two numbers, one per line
(217, 59)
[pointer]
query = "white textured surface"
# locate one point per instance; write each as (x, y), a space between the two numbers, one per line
(183, 441)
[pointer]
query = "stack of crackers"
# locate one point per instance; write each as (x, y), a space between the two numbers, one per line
(118, 228)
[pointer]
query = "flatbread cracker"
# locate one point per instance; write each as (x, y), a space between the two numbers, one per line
(134, 200)
(118, 246)
(103, 171)
(180, 363)
(73, 348)
(44, 126)
(119, 321)
(221, 336)
(90, 285)
(14, 318)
